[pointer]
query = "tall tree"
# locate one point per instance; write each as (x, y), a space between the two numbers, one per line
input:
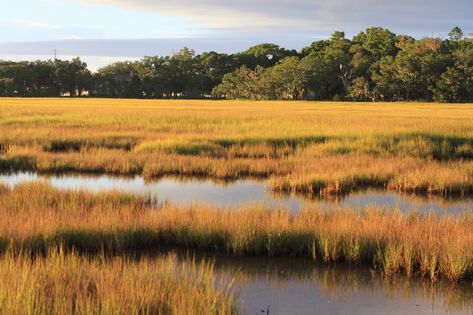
(286, 80)
(73, 77)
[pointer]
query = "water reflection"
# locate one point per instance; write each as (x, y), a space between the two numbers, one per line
(295, 286)
(181, 191)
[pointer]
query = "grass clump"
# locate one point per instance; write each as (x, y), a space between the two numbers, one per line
(37, 218)
(341, 175)
(60, 283)
(314, 147)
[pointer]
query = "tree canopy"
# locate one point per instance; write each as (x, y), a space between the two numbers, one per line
(375, 65)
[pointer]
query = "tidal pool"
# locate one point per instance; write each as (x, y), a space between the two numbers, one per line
(180, 191)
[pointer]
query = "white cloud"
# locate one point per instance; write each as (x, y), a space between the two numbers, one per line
(34, 24)
(224, 14)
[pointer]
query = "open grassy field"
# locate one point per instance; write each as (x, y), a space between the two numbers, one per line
(301, 146)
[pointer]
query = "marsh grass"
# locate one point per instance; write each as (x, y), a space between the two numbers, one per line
(344, 174)
(36, 218)
(60, 283)
(68, 251)
(309, 147)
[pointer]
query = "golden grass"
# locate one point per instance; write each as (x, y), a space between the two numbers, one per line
(315, 148)
(342, 174)
(306, 146)
(60, 283)
(36, 217)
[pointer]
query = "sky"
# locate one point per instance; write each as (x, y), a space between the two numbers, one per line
(103, 31)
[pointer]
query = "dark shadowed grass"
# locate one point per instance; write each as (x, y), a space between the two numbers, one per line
(76, 145)
(18, 163)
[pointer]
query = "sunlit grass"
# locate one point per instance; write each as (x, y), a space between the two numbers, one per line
(60, 283)
(305, 146)
(36, 217)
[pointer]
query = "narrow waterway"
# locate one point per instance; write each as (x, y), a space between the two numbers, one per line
(180, 191)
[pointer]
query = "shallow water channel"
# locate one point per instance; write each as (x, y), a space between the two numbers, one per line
(294, 286)
(239, 193)
(278, 286)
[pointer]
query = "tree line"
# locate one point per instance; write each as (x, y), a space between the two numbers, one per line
(375, 65)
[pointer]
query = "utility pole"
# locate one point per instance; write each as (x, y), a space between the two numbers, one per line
(55, 54)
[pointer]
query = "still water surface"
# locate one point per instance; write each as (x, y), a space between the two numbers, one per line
(298, 286)
(234, 194)
(294, 286)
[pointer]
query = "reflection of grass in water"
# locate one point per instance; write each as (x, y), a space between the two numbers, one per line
(222, 182)
(59, 283)
(342, 280)
(370, 193)
(351, 282)
(391, 200)
(359, 199)
(36, 217)
(328, 148)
